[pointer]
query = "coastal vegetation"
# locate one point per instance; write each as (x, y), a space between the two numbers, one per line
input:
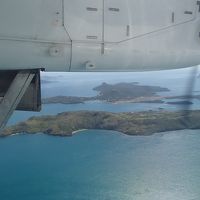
(131, 123)
(142, 123)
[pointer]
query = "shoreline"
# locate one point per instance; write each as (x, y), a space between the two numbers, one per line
(150, 99)
(78, 131)
(81, 130)
(129, 123)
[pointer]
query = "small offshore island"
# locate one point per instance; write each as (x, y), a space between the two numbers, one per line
(142, 123)
(124, 93)
(130, 123)
(115, 93)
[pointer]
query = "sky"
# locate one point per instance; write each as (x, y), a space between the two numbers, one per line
(95, 75)
(76, 83)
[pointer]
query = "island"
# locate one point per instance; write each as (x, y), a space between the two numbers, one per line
(180, 103)
(115, 93)
(66, 100)
(125, 93)
(128, 91)
(131, 123)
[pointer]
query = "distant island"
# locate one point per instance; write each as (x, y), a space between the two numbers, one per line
(142, 123)
(127, 91)
(66, 100)
(180, 103)
(115, 93)
(124, 92)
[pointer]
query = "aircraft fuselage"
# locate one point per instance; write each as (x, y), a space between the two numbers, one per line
(100, 35)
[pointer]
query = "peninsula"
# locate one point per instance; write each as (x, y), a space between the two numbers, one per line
(141, 123)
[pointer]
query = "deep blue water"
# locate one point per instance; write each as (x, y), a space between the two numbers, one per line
(102, 165)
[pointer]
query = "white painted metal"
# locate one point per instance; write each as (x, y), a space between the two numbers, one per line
(117, 17)
(14, 95)
(29, 30)
(19, 18)
(35, 20)
(84, 53)
(113, 35)
(83, 19)
(144, 16)
(34, 55)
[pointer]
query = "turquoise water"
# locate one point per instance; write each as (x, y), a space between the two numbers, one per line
(102, 165)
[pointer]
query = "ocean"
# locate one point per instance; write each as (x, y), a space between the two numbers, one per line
(102, 165)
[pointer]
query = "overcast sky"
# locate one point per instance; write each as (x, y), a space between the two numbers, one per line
(74, 83)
